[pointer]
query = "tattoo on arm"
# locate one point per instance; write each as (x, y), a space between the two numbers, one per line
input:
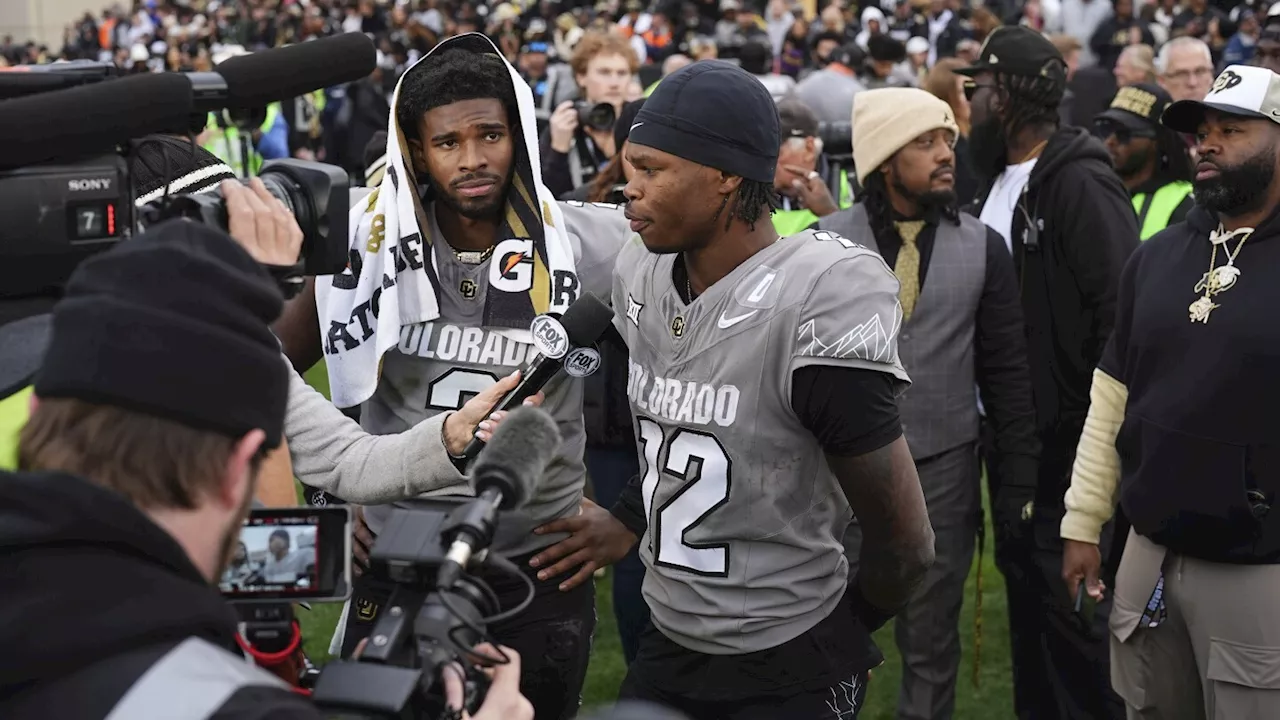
(884, 491)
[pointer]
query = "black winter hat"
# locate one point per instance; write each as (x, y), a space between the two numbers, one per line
(173, 323)
(716, 114)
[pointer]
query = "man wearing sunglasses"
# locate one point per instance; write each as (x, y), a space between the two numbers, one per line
(1151, 159)
(1052, 195)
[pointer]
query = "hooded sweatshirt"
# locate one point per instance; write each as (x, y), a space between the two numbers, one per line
(89, 580)
(1069, 268)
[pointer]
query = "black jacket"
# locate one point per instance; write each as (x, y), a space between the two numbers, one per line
(1198, 448)
(94, 594)
(1069, 267)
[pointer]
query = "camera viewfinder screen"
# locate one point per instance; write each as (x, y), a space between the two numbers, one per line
(274, 555)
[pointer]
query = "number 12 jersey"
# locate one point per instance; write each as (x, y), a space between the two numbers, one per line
(745, 519)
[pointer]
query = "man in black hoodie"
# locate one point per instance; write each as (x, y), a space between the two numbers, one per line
(134, 483)
(1052, 195)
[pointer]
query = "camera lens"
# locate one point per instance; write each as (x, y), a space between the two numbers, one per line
(600, 116)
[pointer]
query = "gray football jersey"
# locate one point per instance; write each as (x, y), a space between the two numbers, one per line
(743, 547)
(439, 365)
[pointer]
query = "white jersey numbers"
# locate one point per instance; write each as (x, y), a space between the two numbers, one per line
(456, 386)
(699, 465)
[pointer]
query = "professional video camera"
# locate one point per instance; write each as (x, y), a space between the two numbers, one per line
(439, 611)
(65, 180)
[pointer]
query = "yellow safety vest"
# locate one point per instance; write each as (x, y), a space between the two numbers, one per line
(13, 417)
(1155, 209)
(790, 222)
(225, 142)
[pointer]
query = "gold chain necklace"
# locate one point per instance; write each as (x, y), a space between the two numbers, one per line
(1217, 279)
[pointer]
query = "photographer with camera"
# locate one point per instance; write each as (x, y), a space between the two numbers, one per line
(579, 141)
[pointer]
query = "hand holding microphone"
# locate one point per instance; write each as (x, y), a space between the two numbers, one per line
(505, 475)
(563, 343)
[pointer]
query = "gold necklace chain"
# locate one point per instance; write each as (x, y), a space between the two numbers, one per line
(1217, 279)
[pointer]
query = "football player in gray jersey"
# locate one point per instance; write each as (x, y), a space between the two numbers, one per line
(458, 113)
(763, 380)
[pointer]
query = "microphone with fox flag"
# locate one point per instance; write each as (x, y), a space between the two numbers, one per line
(558, 341)
(505, 475)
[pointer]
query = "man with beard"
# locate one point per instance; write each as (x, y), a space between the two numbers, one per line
(1067, 219)
(962, 326)
(1182, 430)
(1150, 159)
(134, 482)
(462, 229)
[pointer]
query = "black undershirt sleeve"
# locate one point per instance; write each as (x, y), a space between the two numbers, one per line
(851, 411)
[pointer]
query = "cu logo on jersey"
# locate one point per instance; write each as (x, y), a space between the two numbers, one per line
(582, 362)
(549, 336)
(468, 289)
(512, 267)
(1225, 81)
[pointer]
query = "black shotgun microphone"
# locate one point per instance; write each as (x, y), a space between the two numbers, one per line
(261, 78)
(580, 327)
(93, 118)
(506, 474)
(87, 119)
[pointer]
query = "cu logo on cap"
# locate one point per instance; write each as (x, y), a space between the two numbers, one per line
(1225, 81)
(549, 337)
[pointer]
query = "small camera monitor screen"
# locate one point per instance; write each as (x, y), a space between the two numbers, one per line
(274, 555)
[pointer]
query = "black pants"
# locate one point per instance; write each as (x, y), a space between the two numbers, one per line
(820, 675)
(1061, 659)
(553, 636)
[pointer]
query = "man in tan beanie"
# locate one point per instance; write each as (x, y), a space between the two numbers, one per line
(960, 328)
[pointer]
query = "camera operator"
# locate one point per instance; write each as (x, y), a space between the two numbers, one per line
(134, 484)
(579, 141)
(135, 481)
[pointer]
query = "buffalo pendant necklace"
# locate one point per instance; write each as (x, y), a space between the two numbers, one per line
(1217, 279)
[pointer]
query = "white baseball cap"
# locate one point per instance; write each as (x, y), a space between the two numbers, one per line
(1243, 90)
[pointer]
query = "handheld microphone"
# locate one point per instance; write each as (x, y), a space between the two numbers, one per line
(83, 120)
(580, 327)
(504, 477)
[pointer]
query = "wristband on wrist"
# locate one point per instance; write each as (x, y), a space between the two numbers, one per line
(626, 515)
(871, 617)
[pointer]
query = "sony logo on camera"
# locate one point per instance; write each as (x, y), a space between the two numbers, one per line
(86, 184)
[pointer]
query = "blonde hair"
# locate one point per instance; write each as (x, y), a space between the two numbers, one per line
(1143, 58)
(594, 44)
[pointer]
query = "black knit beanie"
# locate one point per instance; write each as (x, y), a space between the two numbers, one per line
(715, 114)
(173, 323)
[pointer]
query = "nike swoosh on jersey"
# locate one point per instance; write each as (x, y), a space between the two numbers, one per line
(633, 127)
(725, 323)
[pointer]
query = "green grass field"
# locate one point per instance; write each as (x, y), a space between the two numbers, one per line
(990, 699)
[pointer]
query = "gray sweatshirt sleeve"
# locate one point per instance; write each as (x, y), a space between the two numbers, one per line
(330, 451)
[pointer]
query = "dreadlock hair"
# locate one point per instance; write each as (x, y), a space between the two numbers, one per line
(454, 76)
(874, 196)
(749, 204)
(1173, 162)
(1032, 101)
